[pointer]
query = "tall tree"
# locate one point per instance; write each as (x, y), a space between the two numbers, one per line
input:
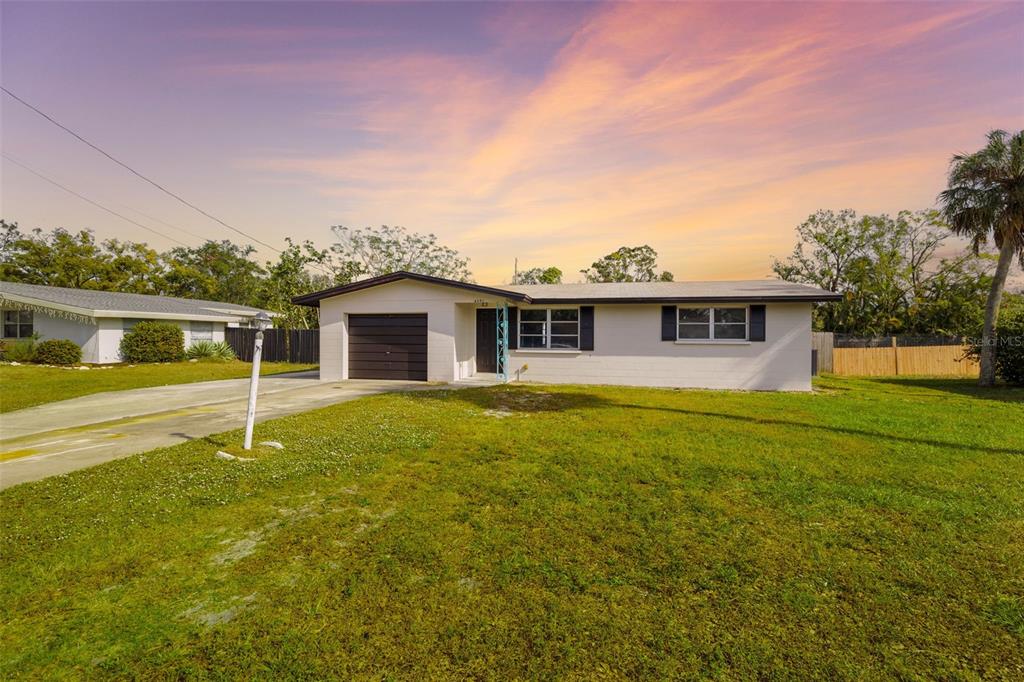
(551, 275)
(985, 200)
(74, 259)
(379, 251)
(889, 273)
(290, 276)
(215, 271)
(627, 264)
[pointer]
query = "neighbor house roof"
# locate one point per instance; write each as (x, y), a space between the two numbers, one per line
(758, 290)
(92, 304)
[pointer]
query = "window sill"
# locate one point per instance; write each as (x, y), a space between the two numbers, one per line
(712, 342)
(565, 351)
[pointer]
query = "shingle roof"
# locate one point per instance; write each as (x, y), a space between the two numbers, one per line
(90, 301)
(610, 292)
(747, 290)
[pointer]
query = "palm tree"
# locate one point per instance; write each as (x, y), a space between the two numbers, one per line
(986, 198)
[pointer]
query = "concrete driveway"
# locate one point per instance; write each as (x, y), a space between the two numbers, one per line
(73, 434)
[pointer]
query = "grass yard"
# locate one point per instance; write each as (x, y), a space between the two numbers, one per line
(28, 385)
(870, 530)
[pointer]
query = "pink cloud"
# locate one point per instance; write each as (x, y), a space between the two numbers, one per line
(669, 124)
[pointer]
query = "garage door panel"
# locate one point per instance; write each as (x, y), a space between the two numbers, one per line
(388, 347)
(387, 374)
(395, 339)
(390, 321)
(379, 330)
(394, 355)
(394, 364)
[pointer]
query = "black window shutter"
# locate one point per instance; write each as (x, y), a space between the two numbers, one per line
(757, 323)
(586, 327)
(668, 323)
(513, 328)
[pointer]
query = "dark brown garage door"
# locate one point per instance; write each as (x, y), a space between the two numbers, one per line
(387, 347)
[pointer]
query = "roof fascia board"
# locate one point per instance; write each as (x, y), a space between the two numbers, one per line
(810, 298)
(170, 316)
(314, 298)
(43, 303)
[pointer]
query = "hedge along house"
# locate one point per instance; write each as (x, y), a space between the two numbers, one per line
(96, 320)
(738, 335)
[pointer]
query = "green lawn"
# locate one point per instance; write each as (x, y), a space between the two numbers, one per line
(28, 385)
(873, 529)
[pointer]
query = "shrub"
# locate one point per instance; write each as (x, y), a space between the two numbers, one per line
(1010, 351)
(1009, 348)
(57, 352)
(153, 342)
(210, 350)
(21, 350)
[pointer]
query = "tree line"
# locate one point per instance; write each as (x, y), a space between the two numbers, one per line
(228, 272)
(888, 268)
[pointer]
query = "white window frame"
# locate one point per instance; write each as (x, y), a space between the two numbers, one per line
(546, 333)
(711, 323)
(18, 324)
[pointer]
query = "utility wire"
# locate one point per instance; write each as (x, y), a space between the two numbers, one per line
(146, 179)
(87, 199)
(133, 171)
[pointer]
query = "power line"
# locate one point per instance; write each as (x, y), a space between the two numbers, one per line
(145, 179)
(135, 172)
(87, 199)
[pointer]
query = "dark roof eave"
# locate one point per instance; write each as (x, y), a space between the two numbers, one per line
(780, 298)
(313, 299)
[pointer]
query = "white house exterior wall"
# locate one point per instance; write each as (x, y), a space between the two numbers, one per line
(447, 360)
(627, 344)
(112, 331)
(101, 341)
(628, 350)
(83, 334)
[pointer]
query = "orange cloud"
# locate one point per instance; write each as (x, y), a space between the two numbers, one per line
(708, 131)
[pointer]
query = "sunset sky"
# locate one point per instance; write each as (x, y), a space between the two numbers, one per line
(554, 133)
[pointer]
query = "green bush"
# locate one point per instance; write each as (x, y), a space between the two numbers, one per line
(153, 342)
(1009, 348)
(210, 350)
(57, 352)
(21, 350)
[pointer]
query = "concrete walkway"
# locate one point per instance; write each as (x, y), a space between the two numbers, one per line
(73, 434)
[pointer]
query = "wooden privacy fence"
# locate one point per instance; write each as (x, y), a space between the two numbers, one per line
(821, 342)
(279, 345)
(901, 356)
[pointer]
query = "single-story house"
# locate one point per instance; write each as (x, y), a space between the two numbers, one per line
(96, 320)
(739, 335)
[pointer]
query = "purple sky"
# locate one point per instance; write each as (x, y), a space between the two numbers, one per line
(551, 132)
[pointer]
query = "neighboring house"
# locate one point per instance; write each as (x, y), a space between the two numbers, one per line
(741, 335)
(96, 320)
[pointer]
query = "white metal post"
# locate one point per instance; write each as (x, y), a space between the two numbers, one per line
(250, 415)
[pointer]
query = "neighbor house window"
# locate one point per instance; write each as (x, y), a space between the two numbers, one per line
(202, 331)
(712, 324)
(17, 324)
(549, 328)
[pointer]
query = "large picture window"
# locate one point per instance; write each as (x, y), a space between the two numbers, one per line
(549, 328)
(710, 324)
(202, 331)
(17, 324)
